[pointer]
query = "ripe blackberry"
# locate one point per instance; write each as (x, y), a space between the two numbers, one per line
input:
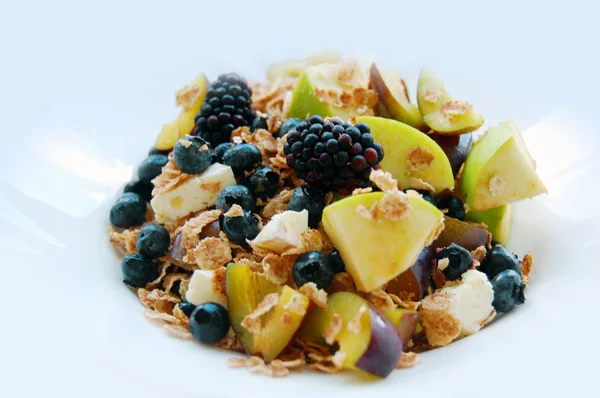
(226, 107)
(332, 155)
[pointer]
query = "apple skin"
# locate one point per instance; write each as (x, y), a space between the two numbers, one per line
(384, 349)
(369, 247)
(440, 112)
(393, 99)
(464, 234)
(305, 102)
(397, 140)
(498, 221)
(416, 279)
(455, 147)
(500, 154)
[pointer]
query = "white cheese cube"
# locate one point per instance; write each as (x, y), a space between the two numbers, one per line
(195, 194)
(283, 231)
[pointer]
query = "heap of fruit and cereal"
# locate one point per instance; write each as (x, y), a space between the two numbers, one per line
(320, 218)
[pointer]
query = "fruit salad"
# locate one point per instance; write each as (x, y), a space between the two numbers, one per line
(320, 219)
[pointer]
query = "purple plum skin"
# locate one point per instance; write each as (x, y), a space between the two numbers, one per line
(385, 347)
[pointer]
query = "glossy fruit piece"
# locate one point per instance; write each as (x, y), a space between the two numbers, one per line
(305, 102)
(245, 290)
(499, 170)
(138, 271)
(325, 76)
(459, 260)
(497, 220)
(184, 124)
(192, 155)
(276, 335)
(464, 234)
(440, 112)
(313, 267)
(142, 188)
(151, 167)
(377, 250)
(400, 143)
(152, 241)
(242, 157)
(374, 347)
(236, 195)
(209, 323)
(128, 210)
(414, 281)
(406, 322)
(456, 148)
(508, 291)
(310, 199)
(240, 229)
(497, 260)
(394, 102)
(453, 206)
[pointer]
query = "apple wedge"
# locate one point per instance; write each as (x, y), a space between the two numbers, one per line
(245, 291)
(332, 89)
(499, 170)
(394, 101)
(190, 97)
(375, 250)
(367, 340)
(497, 221)
(440, 112)
(410, 155)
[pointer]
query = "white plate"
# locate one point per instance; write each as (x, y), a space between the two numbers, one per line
(85, 89)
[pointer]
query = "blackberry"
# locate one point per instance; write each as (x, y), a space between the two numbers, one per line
(225, 108)
(332, 155)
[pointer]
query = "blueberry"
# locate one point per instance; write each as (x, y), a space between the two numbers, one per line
(192, 155)
(142, 188)
(336, 261)
(156, 151)
(209, 323)
(240, 228)
(454, 205)
(152, 241)
(508, 290)
(220, 150)
(187, 308)
(138, 271)
(242, 157)
(310, 199)
(259, 122)
(459, 261)
(151, 167)
(263, 183)
(129, 210)
(497, 260)
(236, 194)
(313, 267)
(428, 196)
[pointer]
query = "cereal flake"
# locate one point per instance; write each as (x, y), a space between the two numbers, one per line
(317, 296)
(252, 321)
(419, 159)
(496, 184)
(334, 328)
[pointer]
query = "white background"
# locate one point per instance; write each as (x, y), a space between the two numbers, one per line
(85, 87)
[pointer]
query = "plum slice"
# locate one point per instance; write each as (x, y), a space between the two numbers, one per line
(367, 340)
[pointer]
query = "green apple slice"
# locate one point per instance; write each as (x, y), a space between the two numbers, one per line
(499, 170)
(320, 87)
(376, 250)
(410, 154)
(305, 102)
(394, 102)
(440, 112)
(497, 221)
